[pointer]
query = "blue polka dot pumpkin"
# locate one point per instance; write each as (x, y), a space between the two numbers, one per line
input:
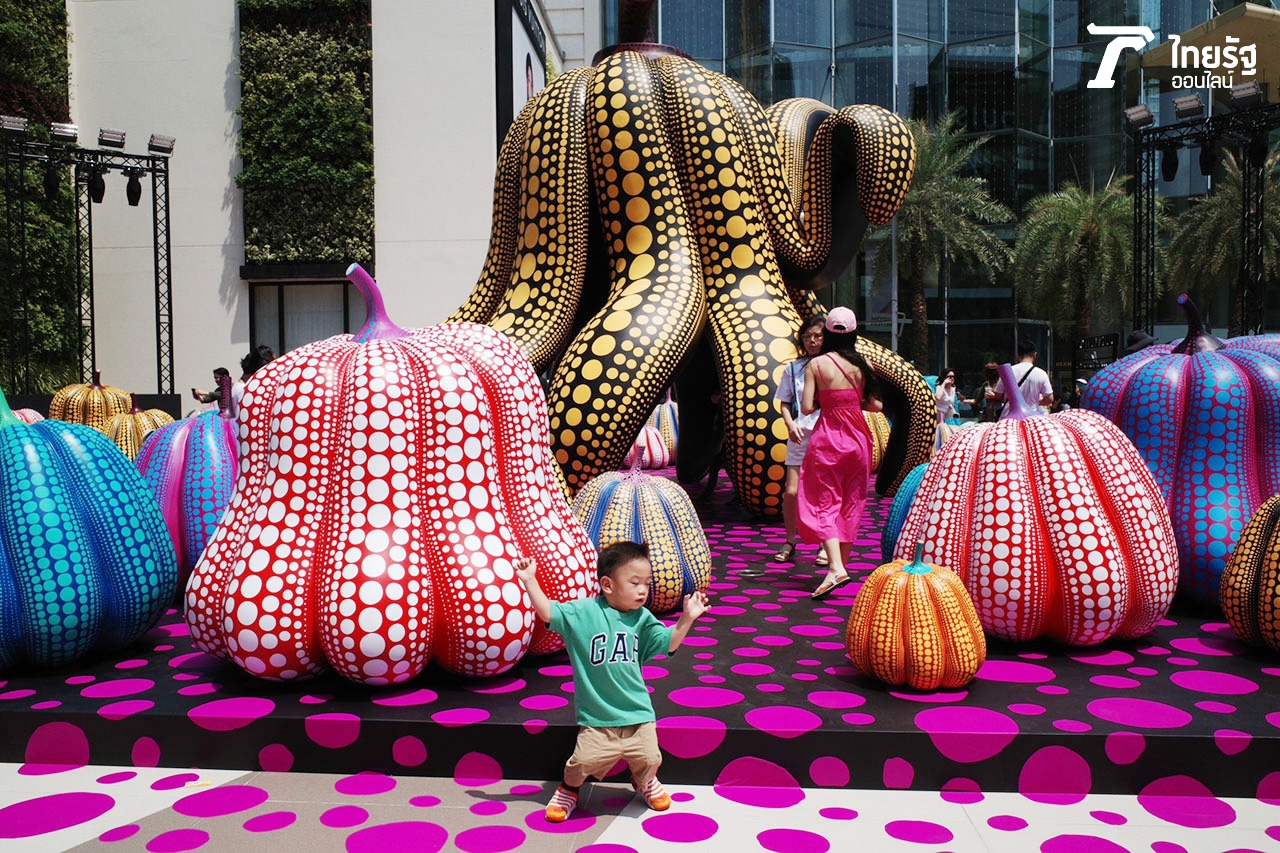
(85, 561)
(1205, 415)
(631, 505)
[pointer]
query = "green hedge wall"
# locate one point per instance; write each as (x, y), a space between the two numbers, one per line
(306, 136)
(40, 345)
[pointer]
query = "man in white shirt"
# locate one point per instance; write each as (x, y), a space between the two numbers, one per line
(1033, 383)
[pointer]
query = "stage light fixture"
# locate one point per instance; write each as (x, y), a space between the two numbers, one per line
(64, 132)
(160, 144)
(97, 186)
(1188, 106)
(1139, 116)
(1169, 163)
(1208, 157)
(14, 125)
(109, 137)
(1245, 95)
(133, 189)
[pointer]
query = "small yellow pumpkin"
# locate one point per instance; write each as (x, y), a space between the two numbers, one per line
(914, 624)
(1250, 588)
(89, 404)
(128, 430)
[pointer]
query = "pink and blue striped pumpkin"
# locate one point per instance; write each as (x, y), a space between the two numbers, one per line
(650, 448)
(666, 420)
(1205, 415)
(191, 466)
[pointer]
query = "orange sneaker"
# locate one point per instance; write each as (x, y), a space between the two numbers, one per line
(562, 804)
(655, 795)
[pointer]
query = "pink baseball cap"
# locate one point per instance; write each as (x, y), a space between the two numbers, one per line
(841, 319)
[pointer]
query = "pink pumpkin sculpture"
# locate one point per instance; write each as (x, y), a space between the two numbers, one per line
(28, 416)
(649, 450)
(191, 466)
(1053, 522)
(1205, 415)
(389, 480)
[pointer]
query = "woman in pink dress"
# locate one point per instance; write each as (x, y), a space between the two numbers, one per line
(833, 479)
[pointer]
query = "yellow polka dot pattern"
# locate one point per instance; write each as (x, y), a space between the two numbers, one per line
(1250, 586)
(91, 404)
(917, 630)
(634, 506)
(673, 173)
(908, 399)
(128, 431)
(879, 426)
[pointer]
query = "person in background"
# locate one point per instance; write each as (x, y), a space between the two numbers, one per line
(211, 396)
(249, 365)
(1137, 341)
(946, 395)
(988, 408)
(1033, 383)
(790, 392)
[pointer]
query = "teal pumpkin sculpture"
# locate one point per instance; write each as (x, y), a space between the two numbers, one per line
(85, 559)
(631, 505)
(1205, 415)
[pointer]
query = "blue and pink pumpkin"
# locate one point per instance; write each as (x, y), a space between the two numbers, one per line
(85, 561)
(1205, 415)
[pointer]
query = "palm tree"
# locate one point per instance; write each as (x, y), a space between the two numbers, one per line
(1074, 256)
(942, 219)
(1204, 252)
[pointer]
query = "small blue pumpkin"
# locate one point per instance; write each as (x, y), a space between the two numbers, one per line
(898, 511)
(85, 559)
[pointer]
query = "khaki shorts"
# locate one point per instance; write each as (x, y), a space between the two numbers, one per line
(599, 749)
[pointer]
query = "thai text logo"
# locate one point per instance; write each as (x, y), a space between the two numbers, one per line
(1211, 58)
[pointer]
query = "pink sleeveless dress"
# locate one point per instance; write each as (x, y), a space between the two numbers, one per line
(833, 478)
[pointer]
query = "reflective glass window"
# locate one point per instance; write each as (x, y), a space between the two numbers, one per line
(1077, 109)
(991, 163)
(746, 25)
(924, 19)
(981, 84)
(1033, 175)
(1033, 86)
(1071, 20)
(1033, 19)
(802, 22)
(1089, 162)
(694, 26)
(753, 71)
(978, 19)
(861, 21)
(801, 72)
(865, 76)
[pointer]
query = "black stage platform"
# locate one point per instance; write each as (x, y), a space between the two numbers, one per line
(761, 695)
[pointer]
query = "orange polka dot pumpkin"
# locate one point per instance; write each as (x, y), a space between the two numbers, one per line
(389, 480)
(91, 403)
(1250, 586)
(913, 624)
(1055, 524)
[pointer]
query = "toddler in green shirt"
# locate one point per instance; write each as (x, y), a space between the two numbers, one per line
(608, 638)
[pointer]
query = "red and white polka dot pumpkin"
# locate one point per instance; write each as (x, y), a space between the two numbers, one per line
(388, 481)
(1054, 523)
(649, 450)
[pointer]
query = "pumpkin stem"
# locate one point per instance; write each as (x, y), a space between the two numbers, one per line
(97, 379)
(1197, 339)
(377, 325)
(918, 566)
(1013, 403)
(7, 417)
(134, 409)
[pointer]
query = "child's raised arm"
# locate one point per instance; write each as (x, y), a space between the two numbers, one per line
(694, 606)
(527, 571)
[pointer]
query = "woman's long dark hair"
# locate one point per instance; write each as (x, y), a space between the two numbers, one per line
(845, 345)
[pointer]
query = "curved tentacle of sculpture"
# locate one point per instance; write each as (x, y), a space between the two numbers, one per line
(388, 482)
(671, 177)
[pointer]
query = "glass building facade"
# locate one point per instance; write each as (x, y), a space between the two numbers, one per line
(1013, 70)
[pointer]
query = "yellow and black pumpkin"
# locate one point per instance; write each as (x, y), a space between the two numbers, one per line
(91, 404)
(1250, 586)
(879, 425)
(914, 624)
(128, 430)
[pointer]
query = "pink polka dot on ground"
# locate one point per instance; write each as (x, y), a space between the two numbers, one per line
(1139, 713)
(607, 848)
(1081, 844)
(534, 727)
(365, 784)
(1216, 707)
(967, 734)
(407, 698)
(752, 670)
(918, 831)
(117, 688)
(1006, 823)
(939, 698)
(275, 758)
(580, 821)
(332, 731)
(506, 684)
(829, 772)
(489, 839)
(488, 808)
(1055, 775)
(459, 717)
(1231, 742)
(1109, 818)
(1116, 682)
(428, 801)
(1269, 788)
(409, 751)
(414, 835)
(792, 841)
(898, 774)
(691, 736)
(783, 721)
(543, 702)
(1125, 747)
(858, 719)
(145, 753)
(475, 769)
(1167, 847)
(705, 697)
(174, 782)
(1014, 672)
(224, 715)
(681, 827)
(121, 710)
(178, 841)
(1113, 657)
(342, 817)
(836, 700)
(113, 778)
(270, 822)
(43, 815)
(961, 791)
(753, 781)
(1216, 683)
(53, 748)
(120, 833)
(677, 797)
(1073, 726)
(224, 800)
(1185, 801)
(837, 813)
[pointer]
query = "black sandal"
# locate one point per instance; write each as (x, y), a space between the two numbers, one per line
(786, 553)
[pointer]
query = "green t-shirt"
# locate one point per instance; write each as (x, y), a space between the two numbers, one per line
(606, 648)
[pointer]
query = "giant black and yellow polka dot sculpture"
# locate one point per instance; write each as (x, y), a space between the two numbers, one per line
(644, 202)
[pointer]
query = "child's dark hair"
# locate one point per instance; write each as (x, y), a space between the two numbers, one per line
(221, 371)
(619, 554)
(845, 344)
